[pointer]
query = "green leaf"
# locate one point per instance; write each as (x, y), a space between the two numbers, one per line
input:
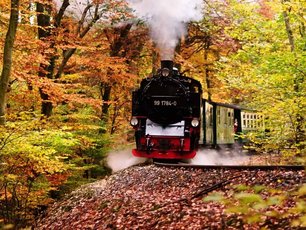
(275, 200)
(248, 198)
(301, 206)
(300, 222)
(258, 188)
(302, 191)
(214, 197)
(237, 210)
(272, 213)
(255, 218)
(259, 206)
(241, 187)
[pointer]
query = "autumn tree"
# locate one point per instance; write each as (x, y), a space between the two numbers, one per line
(116, 38)
(7, 57)
(112, 67)
(270, 66)
(298, 80)
(206, 44)
(32, 166)
(94, 12)
(45, 31)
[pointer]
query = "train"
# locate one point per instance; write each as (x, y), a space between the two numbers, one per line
(171, 120)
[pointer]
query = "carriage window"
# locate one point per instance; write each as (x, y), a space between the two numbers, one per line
(211, 116)
(228, 118)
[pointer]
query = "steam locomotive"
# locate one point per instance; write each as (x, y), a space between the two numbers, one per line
(171, 120)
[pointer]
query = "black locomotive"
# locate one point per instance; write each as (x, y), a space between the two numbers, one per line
(171, 119)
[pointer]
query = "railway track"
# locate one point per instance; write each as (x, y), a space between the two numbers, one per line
(219, 184)
(242, 167)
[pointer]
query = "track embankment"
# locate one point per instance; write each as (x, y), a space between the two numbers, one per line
(158, 197)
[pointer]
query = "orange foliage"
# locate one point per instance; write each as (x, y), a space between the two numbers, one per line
(265, 9)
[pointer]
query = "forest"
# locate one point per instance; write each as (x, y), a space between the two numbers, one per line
(68, 69)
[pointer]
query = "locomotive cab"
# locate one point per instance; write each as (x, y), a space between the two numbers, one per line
(166, 115)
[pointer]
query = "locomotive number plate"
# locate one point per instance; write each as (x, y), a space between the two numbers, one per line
(172, 103)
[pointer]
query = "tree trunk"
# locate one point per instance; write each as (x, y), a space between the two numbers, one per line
(208, 82)
(298, 81)
(115, 115)
(106, 93)
(178, 51)
(206, 67)
(7, 57)
(289, 31)
(67, 55)
(154, 61)
(45, 71)
(116, 46)
(44, 32)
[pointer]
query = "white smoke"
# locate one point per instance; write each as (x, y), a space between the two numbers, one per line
(167, 20)
(215, 157)
(119, 160)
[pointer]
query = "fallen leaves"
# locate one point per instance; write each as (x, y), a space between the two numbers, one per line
(150, 197)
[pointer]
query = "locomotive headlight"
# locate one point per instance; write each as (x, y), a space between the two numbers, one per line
(134, 121)
(195, 122)
(165, 72)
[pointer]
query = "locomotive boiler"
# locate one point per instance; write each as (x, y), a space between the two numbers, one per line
(166, 115)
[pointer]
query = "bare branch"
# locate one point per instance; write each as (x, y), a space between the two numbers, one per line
(91, 23)
(61, 12)
(81, 22)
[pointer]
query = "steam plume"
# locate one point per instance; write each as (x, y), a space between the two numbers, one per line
(118, 160)
(167, 20)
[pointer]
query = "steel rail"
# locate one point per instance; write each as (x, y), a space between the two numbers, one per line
(242, 167)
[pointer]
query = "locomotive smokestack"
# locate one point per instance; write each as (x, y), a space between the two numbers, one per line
(166, 69)
(167, 64)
